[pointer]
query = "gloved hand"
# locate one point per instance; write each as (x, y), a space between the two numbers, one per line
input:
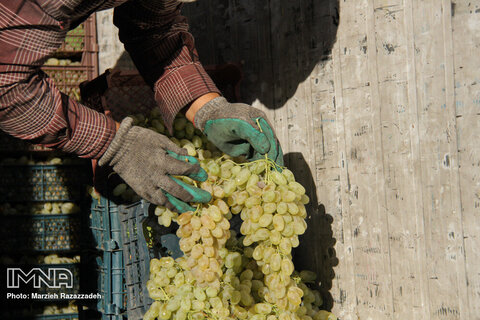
(146, 160)
(233, 128)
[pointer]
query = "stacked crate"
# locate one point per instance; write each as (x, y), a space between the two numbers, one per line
(40, 208)
(108, 263)
(122, 231)
(76, 60)
(42, 194)
(118, 226)
(127, 237)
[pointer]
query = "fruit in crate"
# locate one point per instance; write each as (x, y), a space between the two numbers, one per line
(61, 62)
(39, 208)
(25, 160)
(74, 40)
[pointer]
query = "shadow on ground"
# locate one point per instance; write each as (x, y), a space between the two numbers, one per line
(316, 251)
(278, 42)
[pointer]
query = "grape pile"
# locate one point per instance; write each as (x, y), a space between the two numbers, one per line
(225, 274)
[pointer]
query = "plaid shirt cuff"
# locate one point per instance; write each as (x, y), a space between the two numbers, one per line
(90, 134)
(180, 86)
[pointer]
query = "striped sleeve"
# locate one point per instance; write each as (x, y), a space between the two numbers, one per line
(31, 106)
(157, 38)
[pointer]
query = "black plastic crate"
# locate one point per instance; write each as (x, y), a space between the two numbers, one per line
(43, 182)
(105, 226)
(41, 233)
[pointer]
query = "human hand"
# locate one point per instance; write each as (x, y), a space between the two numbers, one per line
(147, 161)
(238, 129)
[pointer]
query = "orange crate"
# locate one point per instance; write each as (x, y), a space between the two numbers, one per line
(68, 78)
(82, 39)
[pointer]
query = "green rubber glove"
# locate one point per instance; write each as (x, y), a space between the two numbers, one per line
(239, 129)
(147, 161)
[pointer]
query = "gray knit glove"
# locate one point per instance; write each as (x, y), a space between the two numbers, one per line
(146, 160)
(239, 129)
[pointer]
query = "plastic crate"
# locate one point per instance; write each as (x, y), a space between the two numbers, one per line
(81, 39)
(138, 250)
(80, 46)
(68, 78)
(105, 226)
(75, 40)
(124, 266)
(42, 233)
(111, 285)
(137, 257)
(43, 182)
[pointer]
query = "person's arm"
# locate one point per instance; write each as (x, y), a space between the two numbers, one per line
(156, 36)
(31, 106)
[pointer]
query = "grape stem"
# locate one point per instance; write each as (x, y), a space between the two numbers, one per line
(166, 295)
(297, 279)
(197, 211)
(220, 159)
(275, 309)
(209, 315)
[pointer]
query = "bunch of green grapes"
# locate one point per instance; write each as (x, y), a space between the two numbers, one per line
(165, 216)
(225, 275)
(202, 234)
(271, 206)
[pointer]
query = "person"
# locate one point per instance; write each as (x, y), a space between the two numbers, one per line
(156, 36)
